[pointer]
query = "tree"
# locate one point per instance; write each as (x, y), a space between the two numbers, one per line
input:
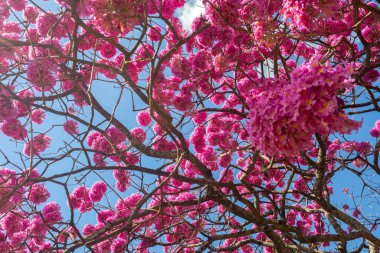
(245, 123)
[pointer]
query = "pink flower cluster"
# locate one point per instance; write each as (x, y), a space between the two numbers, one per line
(8, 110)
(122, 179)
(80, 199)
(125, 207)
(38, 194)
(284, 115)
(37, 145)
(38, 116)
(14, 129)
(99, 142)
(375, 131)
(143, 118)
(83, 198)
(42, 74)
(52, 212)
(314, 15)
(363, 148)
(180, 66)
(8, 183)
(139, 134)
(97, 191)
(71, 127)
(18, 229)
(17, 5)
(115, 17)
(48, 25)
(154, 33)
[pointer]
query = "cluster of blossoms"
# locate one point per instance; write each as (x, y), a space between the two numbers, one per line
(122, 179)
(285, 115)
(105, 146)
(143, 118)
(23, 233)
(37, 145)
(18, 229)
(14, 129)
(9, 110)
(375, 131)
(120, 17)
(8, 185)
(42, 74)
(114, 17)
(71, 127)
(123, 209)
(11, 125)
(83, 198)
(315, 15)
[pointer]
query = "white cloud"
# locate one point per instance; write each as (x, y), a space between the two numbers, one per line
(191, 10)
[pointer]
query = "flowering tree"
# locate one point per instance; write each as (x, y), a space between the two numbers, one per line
(124, 131)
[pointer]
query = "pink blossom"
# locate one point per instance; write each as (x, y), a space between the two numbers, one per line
(121, 186)
(183, 102)
(80, 199)
(122, 178)
(139, 134)
(52, 212)
(38, 116)
(17, 5)
(41, 74)
(11, 28)
(288, 122)
(197, 138)
(93, 138)
(185, 196)
(359, 162)
(105, 215)
(118, 245)
(30, 14)
(180, 66)
(225, 160)
(371, 76)
(14, 129)
(37, 145)
(348, 146)
(154, 33)
(8, 181)
(48, 23)
(356, 213)
(97, 191)
(17, 238)
(115, 135)
(88, 229)
(107, 50)
(38, 194)
(199, 117)
(99, 160)
(12, 223)
(125, 207)
(131, 158)
(143, 118)
(71, 127)
(202, 61)
(7, 108)
(363, 147)
(143, 55)
(375, 131)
